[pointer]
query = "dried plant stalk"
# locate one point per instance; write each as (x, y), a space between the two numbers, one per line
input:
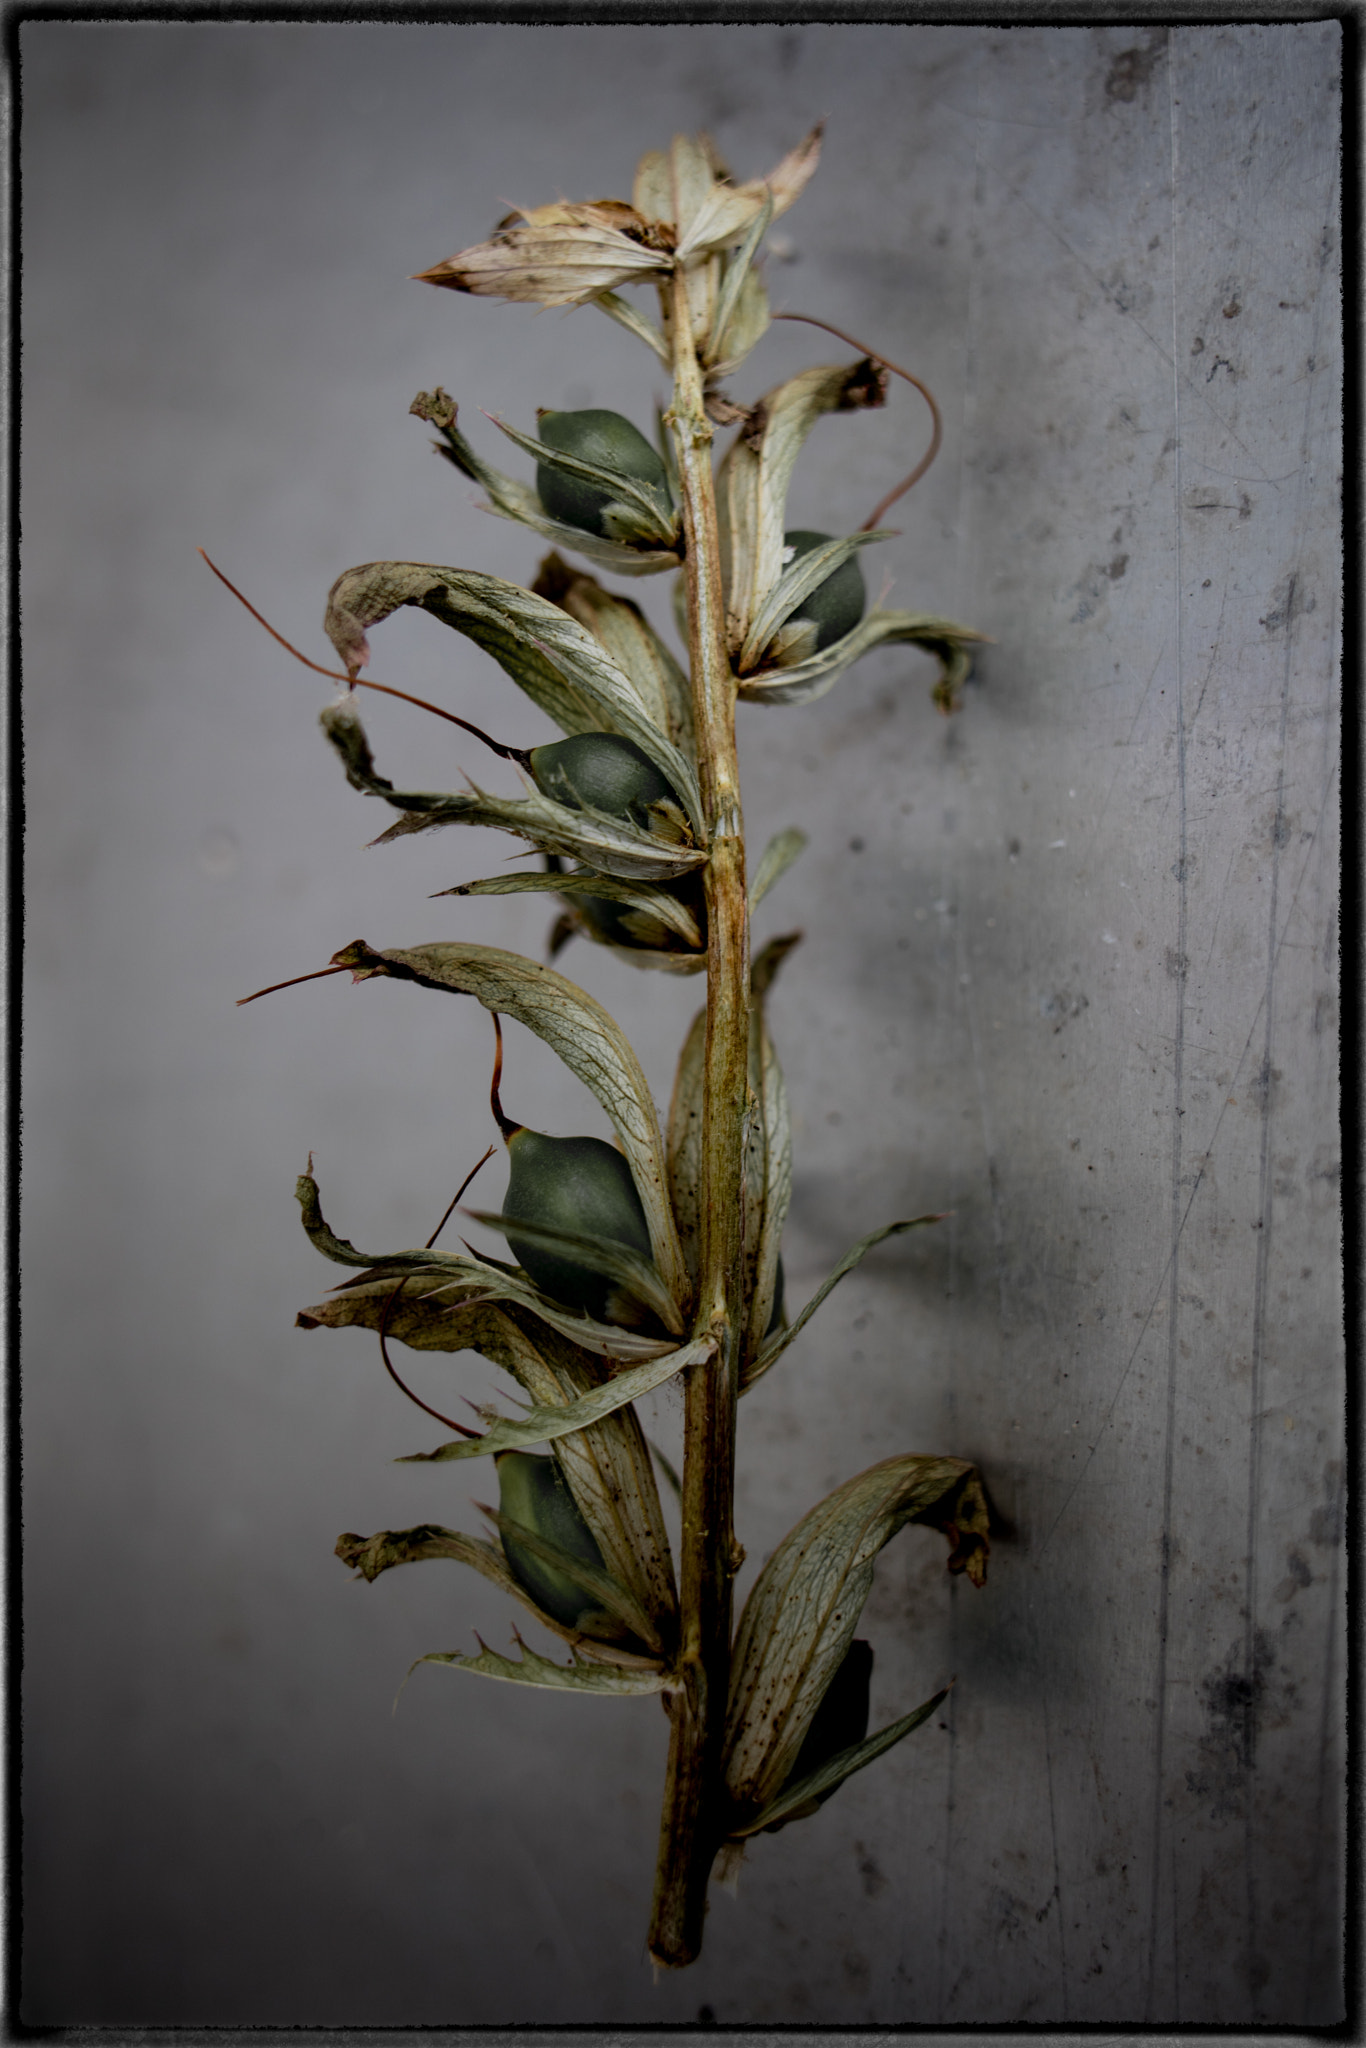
(652, 1261)
(691, 1829)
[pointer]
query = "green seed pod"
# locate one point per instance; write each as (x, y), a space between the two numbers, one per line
(532, 1491)
(619, 925)
(609, 922)
(582, 1186)
(840, 1721)
(779, 1301)
(601, 771)
(835, 606)
(578, 1184)
(604, 439)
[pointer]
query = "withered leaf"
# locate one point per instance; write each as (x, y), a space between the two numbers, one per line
(768, 1172)
(606, 843)
(727, 211)
(659, 904)
(511, 499)
(774, 862)
(778, 1343)
(797, 581)
(635, 323)
(617, 1610)
(630, 642)
(607, 1465)
(796, 1800)
(531, 1669)
(560, 665)
(448, 1273)
(731, 338)
(560, 256)
(371, 1555)
(811, 678)
(589, 1041)
(540, 1425)
(685, 1139)
(671, 186)
(801, 1614)
(751, 495)
(636, 1278)
(639, 514)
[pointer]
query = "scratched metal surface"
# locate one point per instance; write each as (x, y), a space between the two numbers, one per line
(1070, 974)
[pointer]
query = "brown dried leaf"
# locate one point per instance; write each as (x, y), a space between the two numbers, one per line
(768, 1171)
(531, 1669)
(728, 210)
(774, 1348)
(630, 643)
(561, 666)
(371, 1555)
(511, 499)
(801, 1615)
(805, 681)
(589, 1041)
(547, 1425)
(657, 905)
(685, 1139)
(608, 845)
(607, 1466)
(753, 478)
(561, 255)
(797, 581)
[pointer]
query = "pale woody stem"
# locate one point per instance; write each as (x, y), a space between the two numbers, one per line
(689, 1830)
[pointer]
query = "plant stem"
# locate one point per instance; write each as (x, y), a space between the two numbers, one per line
(690, 1825)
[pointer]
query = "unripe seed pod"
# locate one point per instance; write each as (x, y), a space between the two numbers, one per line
(835, 606)
(604, 439)
(621, 926)
(840, 1721)
(608, 920)
(601, 771)
(779, 1302)
(532, 1491)
(578, 1184)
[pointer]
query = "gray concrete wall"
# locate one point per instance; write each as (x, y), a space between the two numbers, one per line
(1070, 973)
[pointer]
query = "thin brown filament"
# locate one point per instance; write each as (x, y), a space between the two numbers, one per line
(435, 1413)
(363, 682)
(293, 983)
(458, 1193)
(935, 438)
(505, 1124)
(389, 1367)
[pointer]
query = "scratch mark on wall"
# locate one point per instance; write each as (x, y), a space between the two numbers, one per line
(1234, 478)
(1167, 356)
(1214, 650)
(1128, 741)
(984, 1119)
(1292, 608)
(1160, 1287)
(1056, 1893)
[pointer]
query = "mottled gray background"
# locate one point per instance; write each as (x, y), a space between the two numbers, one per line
(1070, 972)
